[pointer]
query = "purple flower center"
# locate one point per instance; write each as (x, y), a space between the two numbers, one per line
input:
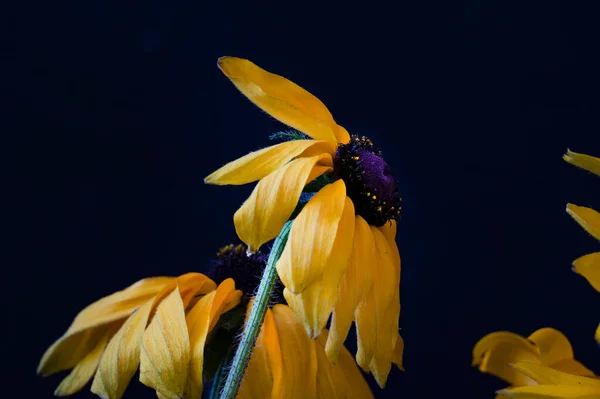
(232, 262)
(369, 181)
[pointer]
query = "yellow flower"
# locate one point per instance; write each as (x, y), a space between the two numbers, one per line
(552, 383)
(341, 257)
(163, 324)
(588, 265)
(494, 353)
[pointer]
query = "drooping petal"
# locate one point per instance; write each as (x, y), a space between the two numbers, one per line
(274, 198)
(201, 320)
(506, 338)
(342, 135)
(355, 284)
(553, 345)
(312, 236)
(264, 376)
(398, 352)
(298, 354)
(552, 391)
(386, 307)
(281, 98)
(497, 363)
(258, 164)
(315, 303)
(548, 375)
(587, 218)
(589, 267)
(166, 353)
(583, 161)
(83, 371)
(597, 334)
(342, 380)
(121, 357)
(573, 366)
(92, 322)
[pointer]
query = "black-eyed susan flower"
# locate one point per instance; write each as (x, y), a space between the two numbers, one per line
(495, 353)
(165, 326)
(341, 257)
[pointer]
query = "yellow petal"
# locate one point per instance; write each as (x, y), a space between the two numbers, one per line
(572, 366)
(92, 322)
(552, 391)
(398, 352)
(583, 161)
(83, 371)
(387, 307)
(342, 135)
(356, 282)
(355, 381)
(311, 240)
(274, 198)
(122, 356)
(490, 341)
(258, 164)
(366, 330)
(589, 267)
(548, 375)
(264, 376)
(201, 320)
(587, 218)
(315, 303)
(597, 335)
(280, 98)
(497, 362)
(552, 344)
(298, 354)
(341, 380)
(165, 355)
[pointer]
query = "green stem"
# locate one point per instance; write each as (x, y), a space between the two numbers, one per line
(256, 317)
(218, 378)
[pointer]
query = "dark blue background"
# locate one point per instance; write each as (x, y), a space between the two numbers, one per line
(114, 113)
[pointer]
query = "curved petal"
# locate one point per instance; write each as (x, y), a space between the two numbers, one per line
(398, 352)
(548, 375)
(263, 377)
(91, 323)
(342, 135)
(83, 372)
(355, 284)
(552, 344)
(341, 380)
(492, 340)
(263, 214)
(201, 320)
(387, 307)
(589, 267)
(258, 164)
(311, 240)
(315, 303)
(121, 357)
(587, 218)
(281, 98)
(166, 353)
(587, 162)
(573, 366)
(298, 354)
(551, 391)
(497, 363)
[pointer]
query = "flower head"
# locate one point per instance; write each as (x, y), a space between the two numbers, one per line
(341, 258)
(166, 327)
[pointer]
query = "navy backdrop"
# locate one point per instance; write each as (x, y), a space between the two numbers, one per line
(114, 113)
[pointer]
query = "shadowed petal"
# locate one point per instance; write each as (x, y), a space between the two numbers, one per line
(548, 375)
(552, 344)
(258, 164)
(589, 267)
(263, 214)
